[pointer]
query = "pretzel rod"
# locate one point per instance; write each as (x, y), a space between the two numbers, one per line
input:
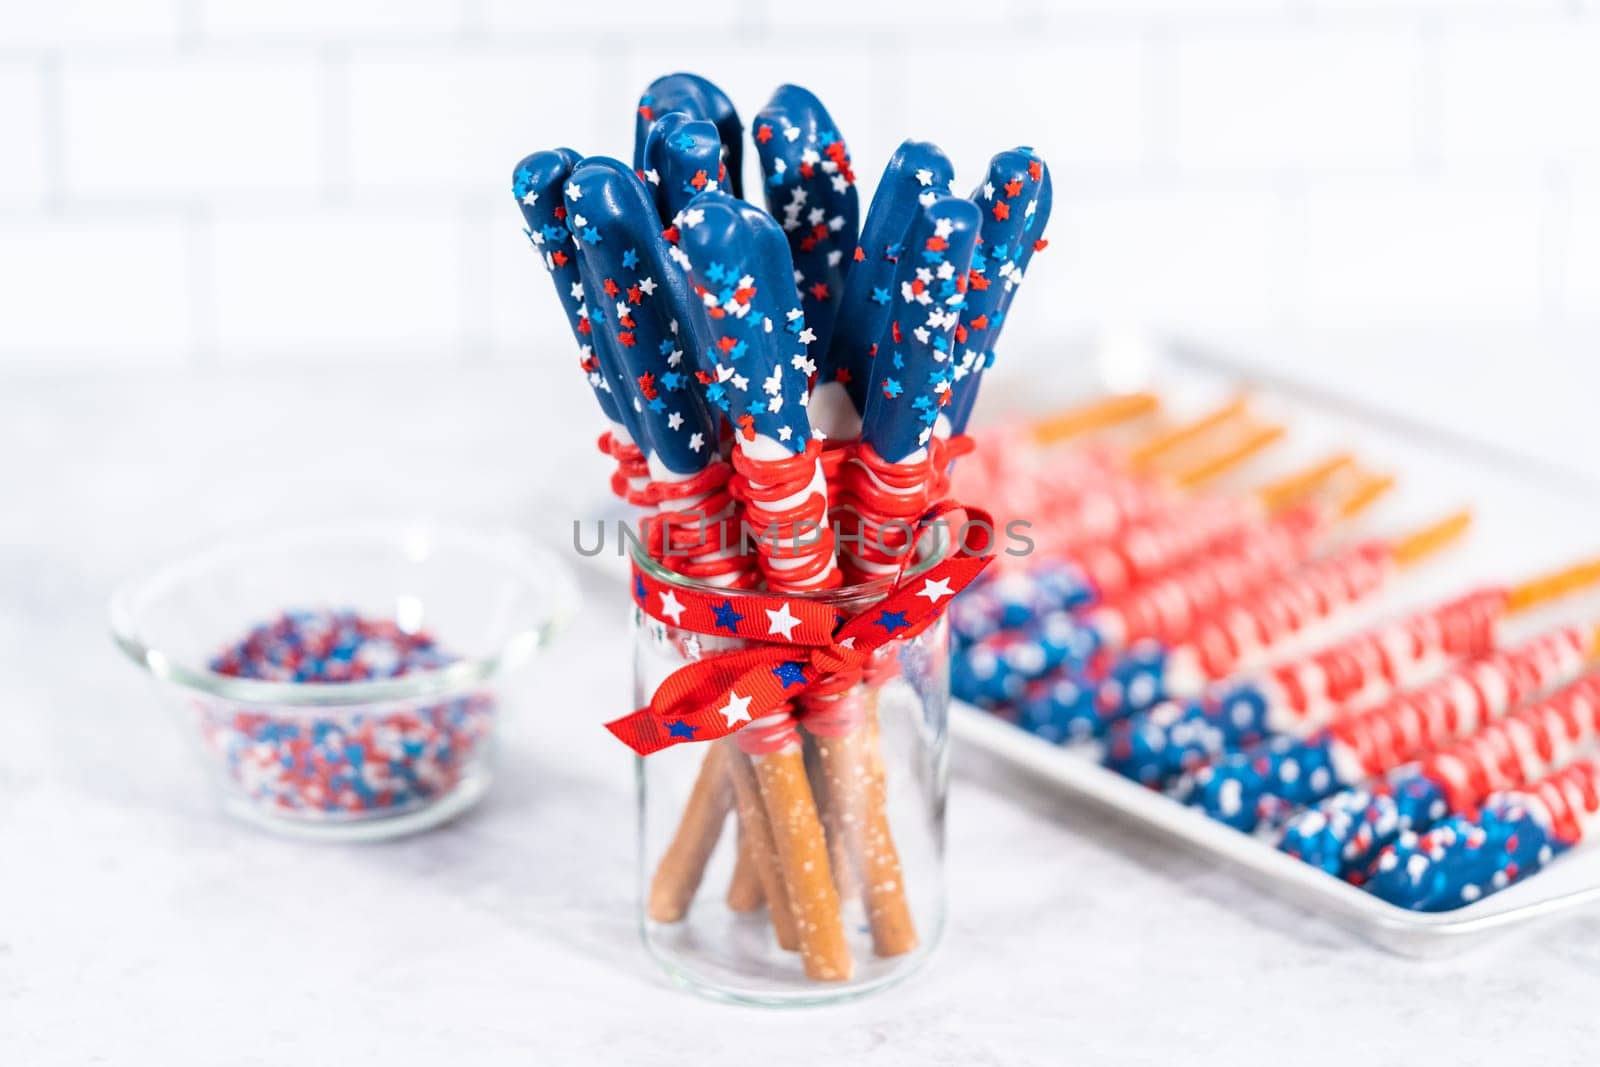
(683, 862)
(888, 481)
(1343, 834)
(763, 850)
(682, 159)
(745, 892)
(739, 263)
(1261, 786)
(1464, 859)
(1301, 695)
(1163, 444)
(1093, 416)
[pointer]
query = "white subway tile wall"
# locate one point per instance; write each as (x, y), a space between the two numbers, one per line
(211, 182)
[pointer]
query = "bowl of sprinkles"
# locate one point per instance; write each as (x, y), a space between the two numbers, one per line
(346, 682)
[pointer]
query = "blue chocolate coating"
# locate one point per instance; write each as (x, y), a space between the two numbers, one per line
(916, 173)
(738, 261)
(639, 301)
(994, 670)
(1462, 860)
(536, 183)
(1268, 782)
(913, 369)
(1016, 208)
(683, 158)
(1174, 739)
(1060, 707)
(810, 189)
(699, 99)
(1343, 834)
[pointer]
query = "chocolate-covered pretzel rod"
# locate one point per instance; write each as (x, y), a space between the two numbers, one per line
(1305, 694)
(1015, 197)
(885, 486)
(1244, 632)
(697, 98)
(755, 371)
(1343, 834)
(1266, 784)
(683, 158)
(1464, 859)
(988, 671)
(537, 184)
(810, 189)
(916, 174)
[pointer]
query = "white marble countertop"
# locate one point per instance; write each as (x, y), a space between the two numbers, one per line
(137, 925)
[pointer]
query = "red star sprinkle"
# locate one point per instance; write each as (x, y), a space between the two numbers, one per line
(610, 287)
(1013, 187)
(937, 244)
(981, 322)
(670, 235)
(1035, 171)
(1002, 210)
(625, 339)
(976, 281)
(763, 133)
(647, 385)
(559, 258)
(961, 334)
(894, 330)
(647, 113)
(860, 255)
(1040, 245)
(819, 291)
(743, 295)
(842, 376)
(699, 180)
(560, 212)
(584, 327)
(634, 295)
(726, 343)
(747, 426)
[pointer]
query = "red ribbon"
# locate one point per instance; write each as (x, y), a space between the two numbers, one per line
(804, 643)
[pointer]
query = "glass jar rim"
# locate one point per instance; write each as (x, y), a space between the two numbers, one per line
(875, 589)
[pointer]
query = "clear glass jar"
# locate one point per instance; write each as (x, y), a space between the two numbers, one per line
(860, 785)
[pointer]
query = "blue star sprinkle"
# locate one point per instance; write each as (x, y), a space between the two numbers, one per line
(892, 621)
(727, 618)
(790, 673)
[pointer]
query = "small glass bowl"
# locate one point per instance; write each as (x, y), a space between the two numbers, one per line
(348, 760)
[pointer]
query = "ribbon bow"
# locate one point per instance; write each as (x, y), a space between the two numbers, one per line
(802, 644)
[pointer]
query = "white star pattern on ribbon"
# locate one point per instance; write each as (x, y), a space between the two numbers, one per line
(671, 608)
(781, 621)
(736, 710)
(935, 591)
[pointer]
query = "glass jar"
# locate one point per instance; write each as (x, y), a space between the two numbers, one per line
(839, 808)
